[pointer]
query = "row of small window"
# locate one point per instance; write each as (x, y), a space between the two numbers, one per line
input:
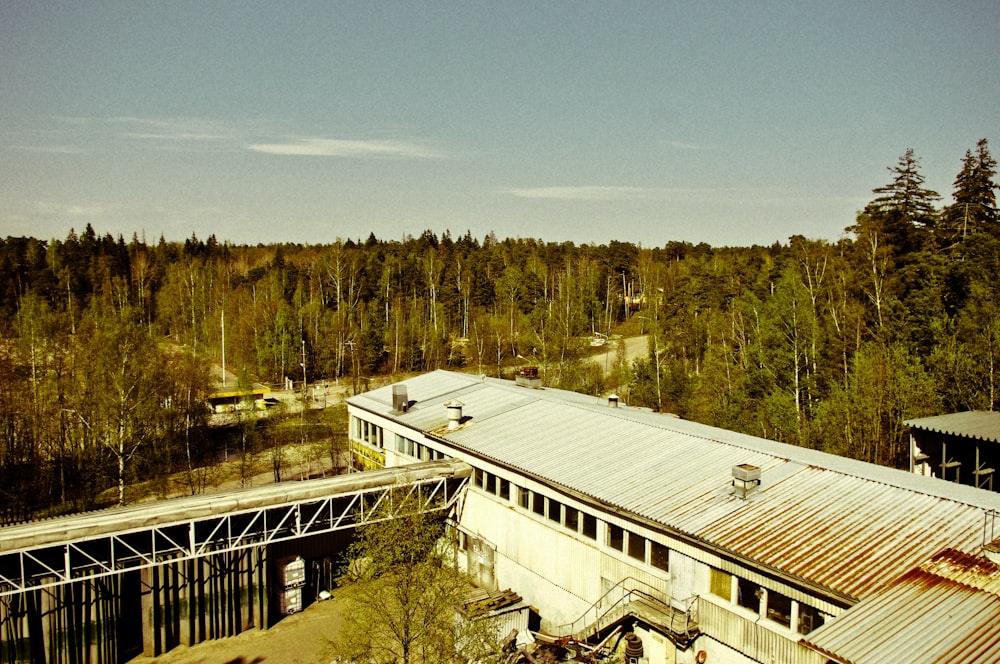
(765, 602)
(367, 432)
(577, 521)
(412, 448)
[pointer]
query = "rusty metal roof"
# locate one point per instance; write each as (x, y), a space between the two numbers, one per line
(974, 424)
(946, 610)
(847, 526)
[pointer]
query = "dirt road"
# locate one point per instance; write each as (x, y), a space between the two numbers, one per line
(635, 347)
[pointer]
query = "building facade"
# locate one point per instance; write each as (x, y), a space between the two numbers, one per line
(721, 547)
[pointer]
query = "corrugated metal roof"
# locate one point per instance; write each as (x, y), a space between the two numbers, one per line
(975, 424)
(845, 525)
(946, 610)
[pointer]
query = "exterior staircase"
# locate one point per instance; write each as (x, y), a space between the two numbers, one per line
(635, 603)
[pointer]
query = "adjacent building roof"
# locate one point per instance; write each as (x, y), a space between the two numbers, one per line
(843, 525)
(974, 424)
(958, 597)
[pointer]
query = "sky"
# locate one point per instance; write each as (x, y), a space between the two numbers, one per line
(731, 123)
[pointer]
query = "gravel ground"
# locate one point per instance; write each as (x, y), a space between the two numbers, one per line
(307, 637)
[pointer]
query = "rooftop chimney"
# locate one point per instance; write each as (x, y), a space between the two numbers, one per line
(454, 414)
(746, 479)
(400, 402)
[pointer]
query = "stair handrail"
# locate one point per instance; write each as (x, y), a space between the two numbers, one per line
(627, 597)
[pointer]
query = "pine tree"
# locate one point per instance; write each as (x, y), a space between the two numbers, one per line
(904, 209)
(975, 207)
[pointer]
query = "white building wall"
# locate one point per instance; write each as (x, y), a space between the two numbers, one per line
(550, 567)
(656, 648)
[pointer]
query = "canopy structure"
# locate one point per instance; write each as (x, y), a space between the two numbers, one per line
(961, 447)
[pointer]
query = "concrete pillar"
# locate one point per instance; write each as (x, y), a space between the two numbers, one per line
(185, 594)
(261, 587)
(150, 612)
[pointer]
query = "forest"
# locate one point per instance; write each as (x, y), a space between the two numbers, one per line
(107, 346)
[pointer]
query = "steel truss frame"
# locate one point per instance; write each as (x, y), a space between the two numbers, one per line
(54, 563)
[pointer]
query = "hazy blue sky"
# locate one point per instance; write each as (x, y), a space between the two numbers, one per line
(730, 123)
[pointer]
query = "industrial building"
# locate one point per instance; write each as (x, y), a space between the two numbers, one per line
(716, 546)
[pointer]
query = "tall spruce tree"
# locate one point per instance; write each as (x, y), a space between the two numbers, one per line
(904, 208)
(975, 208)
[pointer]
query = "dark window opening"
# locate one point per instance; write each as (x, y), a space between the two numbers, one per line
(809, 619)
(659, 556)
(522, 497)
(505, 489)
(477, 478)
(779, 608)
(572, 518)
(555, 511)
(538, 503)
(636, 547)
(589, 526)
(616, 537)
(748, 595)
(491, 483)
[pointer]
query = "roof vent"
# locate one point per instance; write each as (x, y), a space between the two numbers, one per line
(454, 414)
(400, 402)
(613, 401)
(746, 479)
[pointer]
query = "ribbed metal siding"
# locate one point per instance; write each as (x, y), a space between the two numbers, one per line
(750, 638)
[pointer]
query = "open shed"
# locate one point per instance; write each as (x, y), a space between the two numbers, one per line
(959, 447)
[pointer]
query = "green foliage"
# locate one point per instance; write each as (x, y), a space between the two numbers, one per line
(409, 592)
(774, 341)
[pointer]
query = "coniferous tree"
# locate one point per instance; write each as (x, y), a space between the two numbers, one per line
(975, 207)
(904, 208)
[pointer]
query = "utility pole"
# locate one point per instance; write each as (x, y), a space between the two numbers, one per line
(303, 369)
(223, 347)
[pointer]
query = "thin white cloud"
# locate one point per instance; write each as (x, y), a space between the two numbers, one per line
(585, 193)
(178, 136)
(51, 209)
(49, 149)
(683, 145)
(337, 147)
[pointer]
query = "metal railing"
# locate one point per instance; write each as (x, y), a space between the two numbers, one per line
(599, 615)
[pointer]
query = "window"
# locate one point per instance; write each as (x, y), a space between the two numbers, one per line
(371, 434)
(659, 557)
(572, 518)
(748, 595)
(636, 547)
(555, 510)
(616, 537)
(491, 483)
(425, 453)
(537, 503)
(478, 477)
(589, 526)
(505, 489)
(404, 445)
(809, 619)
(721, 584)
(522, 497)
(779, 608)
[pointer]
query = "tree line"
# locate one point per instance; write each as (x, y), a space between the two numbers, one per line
(108, 346)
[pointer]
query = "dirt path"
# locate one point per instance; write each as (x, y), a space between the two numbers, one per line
(635, 347)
